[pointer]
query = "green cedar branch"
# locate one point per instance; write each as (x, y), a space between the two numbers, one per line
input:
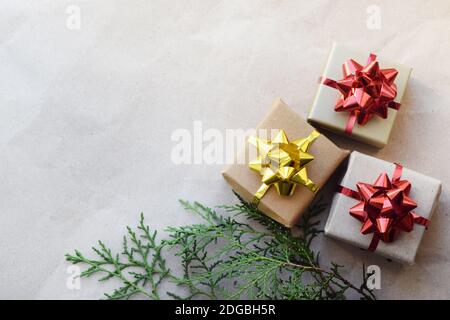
(238, 254)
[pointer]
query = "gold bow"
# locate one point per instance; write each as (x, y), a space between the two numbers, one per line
(282, 164)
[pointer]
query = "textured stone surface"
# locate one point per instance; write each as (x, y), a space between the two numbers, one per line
(87, 117)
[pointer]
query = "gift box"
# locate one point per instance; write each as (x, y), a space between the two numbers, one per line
(382, 207)
(359, 95)
(282, 201)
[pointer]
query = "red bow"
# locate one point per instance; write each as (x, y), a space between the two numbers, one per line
(365, 91)
(385, 208)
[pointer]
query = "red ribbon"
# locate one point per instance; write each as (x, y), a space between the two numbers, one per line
(385, 208)
(365, 91)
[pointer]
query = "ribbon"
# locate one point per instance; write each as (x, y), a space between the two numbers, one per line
(385, 208)
(364, 91)
(282, 164)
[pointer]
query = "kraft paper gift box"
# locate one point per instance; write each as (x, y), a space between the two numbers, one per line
(341, 225)
(285, 209)
(377, 130)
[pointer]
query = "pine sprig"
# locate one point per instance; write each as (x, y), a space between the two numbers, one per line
(237, 254)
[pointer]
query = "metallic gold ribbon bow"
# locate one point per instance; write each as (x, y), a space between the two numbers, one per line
(365, 91)
(385, 208)
(282, 164)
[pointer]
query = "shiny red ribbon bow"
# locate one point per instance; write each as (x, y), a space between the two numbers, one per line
(365, 91)
(385, 208)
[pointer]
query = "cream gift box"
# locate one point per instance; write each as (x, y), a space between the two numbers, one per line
(342, 226)
(286, 210)
(377, 131)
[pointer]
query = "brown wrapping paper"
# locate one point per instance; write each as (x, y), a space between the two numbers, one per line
(327, 157)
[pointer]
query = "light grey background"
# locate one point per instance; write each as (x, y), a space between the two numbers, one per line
(86, 118)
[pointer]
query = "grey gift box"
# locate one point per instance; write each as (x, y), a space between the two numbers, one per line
(377, 131)
(342, 226)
